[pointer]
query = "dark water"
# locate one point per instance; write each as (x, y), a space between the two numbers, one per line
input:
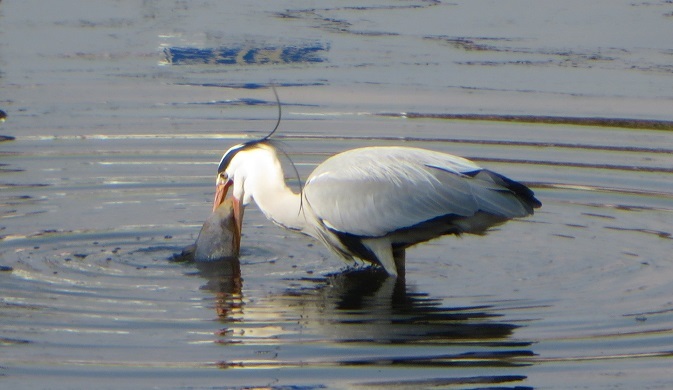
(108, 171)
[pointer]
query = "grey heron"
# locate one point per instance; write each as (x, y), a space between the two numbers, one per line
(372, 203)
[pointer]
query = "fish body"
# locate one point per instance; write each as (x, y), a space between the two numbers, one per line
(216, 238)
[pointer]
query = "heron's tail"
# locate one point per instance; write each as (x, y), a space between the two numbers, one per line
(524, 194)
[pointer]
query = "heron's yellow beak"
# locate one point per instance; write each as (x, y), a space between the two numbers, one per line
(221, 189)
(238, 224)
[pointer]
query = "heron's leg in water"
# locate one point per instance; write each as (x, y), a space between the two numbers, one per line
(399, 256)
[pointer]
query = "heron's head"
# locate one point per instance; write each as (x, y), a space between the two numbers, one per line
(238, 163)
(226, 172)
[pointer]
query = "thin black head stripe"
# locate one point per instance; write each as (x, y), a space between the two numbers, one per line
(229, 155)
(226, 158)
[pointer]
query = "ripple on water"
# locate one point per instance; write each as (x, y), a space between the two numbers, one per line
(583, 283)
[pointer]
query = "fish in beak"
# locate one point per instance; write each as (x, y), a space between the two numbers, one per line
(221, 188)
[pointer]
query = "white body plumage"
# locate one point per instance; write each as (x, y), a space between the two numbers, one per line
(372, 203)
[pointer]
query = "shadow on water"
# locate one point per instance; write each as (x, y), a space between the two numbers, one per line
(403, 328)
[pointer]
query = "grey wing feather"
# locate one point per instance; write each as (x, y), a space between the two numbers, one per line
(374, 191)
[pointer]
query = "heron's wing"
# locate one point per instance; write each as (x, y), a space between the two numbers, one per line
(371, 192)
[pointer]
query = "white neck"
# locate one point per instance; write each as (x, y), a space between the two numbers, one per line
(265, 182)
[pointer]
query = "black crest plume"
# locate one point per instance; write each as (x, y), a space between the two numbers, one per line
(226, 158)
(280, 112)
(229, 155)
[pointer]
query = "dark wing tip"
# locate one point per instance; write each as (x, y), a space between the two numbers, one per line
(524, 193)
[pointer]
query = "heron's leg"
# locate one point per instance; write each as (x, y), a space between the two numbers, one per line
(399, 255)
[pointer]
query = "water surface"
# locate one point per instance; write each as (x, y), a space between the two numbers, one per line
(108, 171)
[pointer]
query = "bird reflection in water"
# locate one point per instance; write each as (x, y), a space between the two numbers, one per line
(360, 305)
